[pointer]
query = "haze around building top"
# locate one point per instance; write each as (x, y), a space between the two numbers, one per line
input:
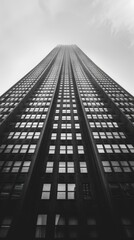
(103, 29)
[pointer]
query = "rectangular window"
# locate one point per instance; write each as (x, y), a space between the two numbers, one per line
(77, 125)
(66, 167)
(32, 148)
(66, 191)
(100, 148)
(51, 149)
(5, 226)
(55, 125)
(78, 136)
(53, 136)
(46, 191)
(80, 149)
(83, 167)
(66, 136)
(66, 149)
(41, 226)
(49, 167)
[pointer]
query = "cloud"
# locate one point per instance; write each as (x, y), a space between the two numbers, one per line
(118, 14)
(53, 7)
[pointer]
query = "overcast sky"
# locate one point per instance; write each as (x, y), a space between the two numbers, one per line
(103, 29)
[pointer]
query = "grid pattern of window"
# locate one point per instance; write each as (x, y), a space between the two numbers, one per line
(108, 133)
(15, 95)
(117, 94)
(77, 154)
(66, 151)
(19, 144)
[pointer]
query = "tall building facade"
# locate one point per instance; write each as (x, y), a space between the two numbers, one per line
(66, 153)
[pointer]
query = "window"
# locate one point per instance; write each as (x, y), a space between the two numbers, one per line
(77, 125)
(100, 148)
(61, 222)
(66, 136)
(41, 226)
(17, 190)
(66, 125)
(95, 135)
(29, 136)
(66, 149)
(69, 149)
(46, 191)
(70, 167)
(66, 167)
(80, 149)
(131, 148)
(2, 147)
(78, 136)
(49, 167)
(62, 149)
(107, 167)
(128, 226)
(51, 149)
(16, 148)
(5, 226)
(32, 148)
(86, 191)
(66, 191)
(16, 167)
(83, 167)
(76, 118)
(53, 136)
(55, 125)
(26, 166)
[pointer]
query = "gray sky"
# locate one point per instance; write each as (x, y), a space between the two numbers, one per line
(103, 29)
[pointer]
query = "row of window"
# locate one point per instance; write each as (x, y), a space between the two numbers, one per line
(64, 220)
(24, 135)
(37, 109)
(95, 109)
(66, 136)
(118, 166)
(66, 125)
(11, 190)
(33, 116)
(17, 148)
(103, 124)
(64, 149)
(115, 148)
(29, 124)
(66, 167)
(65, 226)
(14, 166)
(122, 99)
(66, 111)
(109, 135)
(66, 117)
(99, 116)
(64, 191)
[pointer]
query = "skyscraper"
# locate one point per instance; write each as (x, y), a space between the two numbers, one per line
(66, 153)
